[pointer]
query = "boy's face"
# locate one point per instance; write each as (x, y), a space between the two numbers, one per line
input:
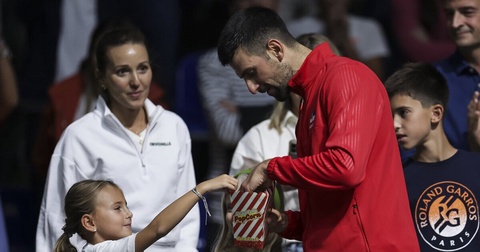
(411, 121)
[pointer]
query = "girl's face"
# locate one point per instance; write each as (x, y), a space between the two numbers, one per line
(127, 77)
(111, 217)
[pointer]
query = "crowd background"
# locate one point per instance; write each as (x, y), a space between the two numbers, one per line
(42, 34)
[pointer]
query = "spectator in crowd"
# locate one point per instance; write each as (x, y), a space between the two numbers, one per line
(442, 181)
(461, 70)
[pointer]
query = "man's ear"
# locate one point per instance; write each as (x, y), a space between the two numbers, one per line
(437, 113)
(88, 223)
(276, 49)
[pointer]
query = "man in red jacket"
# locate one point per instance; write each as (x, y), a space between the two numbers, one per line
(348, 171)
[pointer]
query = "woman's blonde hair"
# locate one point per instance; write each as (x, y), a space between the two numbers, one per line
(279, 112)
(81, 199)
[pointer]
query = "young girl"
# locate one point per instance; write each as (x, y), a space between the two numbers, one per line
(97, 211)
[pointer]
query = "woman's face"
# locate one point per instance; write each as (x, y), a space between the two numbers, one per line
(127, 77)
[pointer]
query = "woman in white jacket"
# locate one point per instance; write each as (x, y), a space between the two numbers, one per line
(143, 148)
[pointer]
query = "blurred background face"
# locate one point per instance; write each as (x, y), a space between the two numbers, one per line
(463, 21)
(128, 76)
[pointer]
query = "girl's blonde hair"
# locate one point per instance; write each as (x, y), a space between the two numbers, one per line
(279, 112)
(224, 242)
(81, 199)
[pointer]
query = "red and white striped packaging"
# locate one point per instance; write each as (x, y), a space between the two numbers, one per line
(249, 210)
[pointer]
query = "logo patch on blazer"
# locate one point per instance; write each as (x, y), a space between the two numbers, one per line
(446, 216)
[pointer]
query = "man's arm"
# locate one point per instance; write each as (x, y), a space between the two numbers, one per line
(350, 109)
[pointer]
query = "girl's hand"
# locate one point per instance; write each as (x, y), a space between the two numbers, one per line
(223, 181)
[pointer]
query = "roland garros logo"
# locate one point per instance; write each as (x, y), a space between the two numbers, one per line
(446, 216)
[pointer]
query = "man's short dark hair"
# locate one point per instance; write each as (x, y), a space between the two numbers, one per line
(251, 29)
(421, 81)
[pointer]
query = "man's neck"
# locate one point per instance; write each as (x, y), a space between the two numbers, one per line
(436, 149)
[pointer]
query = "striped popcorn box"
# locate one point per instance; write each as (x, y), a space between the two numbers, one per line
(249, 209)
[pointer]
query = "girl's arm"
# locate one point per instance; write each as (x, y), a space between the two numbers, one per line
(166, 220)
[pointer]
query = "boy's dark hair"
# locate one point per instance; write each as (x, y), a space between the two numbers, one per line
(250, 29)
(421, 81)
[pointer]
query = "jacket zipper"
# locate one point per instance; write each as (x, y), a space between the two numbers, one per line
(356, 212)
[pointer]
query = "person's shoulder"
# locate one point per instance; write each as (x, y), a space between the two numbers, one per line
(209, 54)
(123, 244)
(168, 114)
(468, 155)
(448, 62)
(168, 117)
(261, 126)
(81, 125)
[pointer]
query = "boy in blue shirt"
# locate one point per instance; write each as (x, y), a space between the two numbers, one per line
(442, 182)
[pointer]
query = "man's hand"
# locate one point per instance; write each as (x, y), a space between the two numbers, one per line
(258, 180)
(276, 221)
(474, 122)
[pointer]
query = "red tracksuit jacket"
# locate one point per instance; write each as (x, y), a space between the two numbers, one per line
(349, 174)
